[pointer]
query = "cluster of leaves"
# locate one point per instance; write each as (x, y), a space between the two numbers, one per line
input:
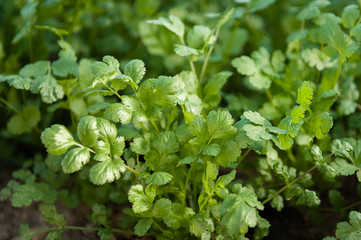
(168, 146)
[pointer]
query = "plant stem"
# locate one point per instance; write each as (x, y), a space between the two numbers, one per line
(351, 206)
(186, 185)
(269, 95)
(191, 64)
(244, 155)
(206, 59)
(154, 124)
(132, 170)
(10, 106)
(288, 185)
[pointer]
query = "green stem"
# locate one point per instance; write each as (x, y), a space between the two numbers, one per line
(206, 59)
(351, 206)
(110, 89)
(132, 170)
(338, 71)
(186, 185)
(288, 185)
(191, 64)
(205, 202)
(269, 96)
(154, 125)
(243, 157)
(30, 41)
(10, 106)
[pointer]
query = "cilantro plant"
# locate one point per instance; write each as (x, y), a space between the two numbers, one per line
(193, 125)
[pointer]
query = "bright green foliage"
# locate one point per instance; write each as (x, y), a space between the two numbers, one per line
(87, 131)
(75, 159)
(106, 171)
(239, 210)
(350, 15)
(142, 200)
(348, 153)
(57, 139)
(169, 141)
(135, 69)
(159, 178)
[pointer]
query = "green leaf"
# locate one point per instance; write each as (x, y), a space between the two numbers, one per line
(316, 153)
(143, 226)
(256, 133)
(297, 114)
(64, 67)
(245, 65)
(277, 203)
(17, 81)
(107, 131)
(36, 69)
(107, 171)
(162, 207)
(310, 198)
(173, 23)
(135, 69)
(24, 195)
(211, 150)
(51, 215)
(198, 36)
(118, 112)
(351, 230)
(25, 232)
(29, 118)
(220, 125)
(75, 159)
(322, 123)
(239, 210)
(54, 235)
(213, 86)
(184, 51)
(87, 131)
(260, 81)
(159, 178)
(278, 61)
(108, 66)
(105, 234)
(141, 145)
(305, 94)
(256, 118)
(99, 215)
(142, 201)
(315, 58)
(350, 15)
(48, 88)
(178, 216)
(57, 139)
(258, 5)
